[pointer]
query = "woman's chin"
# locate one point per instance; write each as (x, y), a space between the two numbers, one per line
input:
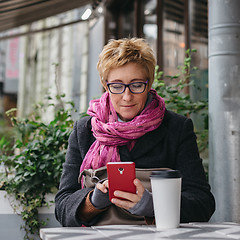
(127, 118)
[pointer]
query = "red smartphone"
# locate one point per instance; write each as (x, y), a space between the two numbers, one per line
(120, 177)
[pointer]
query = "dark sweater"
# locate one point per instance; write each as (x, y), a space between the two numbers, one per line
(172, 145)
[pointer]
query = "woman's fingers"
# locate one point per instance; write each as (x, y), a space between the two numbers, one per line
(139, 187)
(105, 183)
(129, 199)
(122, 203)
(103, 186)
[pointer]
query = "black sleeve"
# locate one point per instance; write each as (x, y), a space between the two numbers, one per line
(70, 195)
(197, 202)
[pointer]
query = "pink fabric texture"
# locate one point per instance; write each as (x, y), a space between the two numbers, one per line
(110, 133)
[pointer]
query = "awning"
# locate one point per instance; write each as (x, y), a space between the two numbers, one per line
(14, 13)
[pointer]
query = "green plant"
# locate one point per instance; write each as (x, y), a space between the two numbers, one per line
(176, 99)
(173, 90)
(35, 168)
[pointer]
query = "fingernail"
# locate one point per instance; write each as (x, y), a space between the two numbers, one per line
(116, 193)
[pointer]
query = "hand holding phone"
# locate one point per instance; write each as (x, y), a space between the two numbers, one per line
(120, 177)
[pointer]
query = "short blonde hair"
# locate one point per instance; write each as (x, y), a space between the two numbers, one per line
(119, 52)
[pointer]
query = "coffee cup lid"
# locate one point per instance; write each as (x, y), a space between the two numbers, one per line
(166, 174)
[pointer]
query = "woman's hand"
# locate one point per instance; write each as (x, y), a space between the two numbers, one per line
(140, 204)
(100, 197)
(130, 199)
(103, 186)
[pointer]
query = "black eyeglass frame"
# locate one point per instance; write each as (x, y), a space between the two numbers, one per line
(127, 85)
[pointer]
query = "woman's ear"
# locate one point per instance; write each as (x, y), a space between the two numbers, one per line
(105, 87)
(149, 86)
(104, 83)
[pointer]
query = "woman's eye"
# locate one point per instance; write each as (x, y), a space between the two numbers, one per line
(117, 86)
(137, 85)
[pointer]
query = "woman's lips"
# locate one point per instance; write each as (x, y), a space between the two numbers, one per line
(128, 106)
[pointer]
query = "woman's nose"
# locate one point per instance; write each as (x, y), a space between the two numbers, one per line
(127, 95)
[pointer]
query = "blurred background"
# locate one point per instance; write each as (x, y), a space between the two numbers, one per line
(48, 47)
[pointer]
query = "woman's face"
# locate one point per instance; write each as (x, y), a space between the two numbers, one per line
(128, 105)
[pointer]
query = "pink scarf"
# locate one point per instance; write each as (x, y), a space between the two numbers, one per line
(110, 133)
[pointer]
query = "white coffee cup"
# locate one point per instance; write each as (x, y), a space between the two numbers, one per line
(166, 190)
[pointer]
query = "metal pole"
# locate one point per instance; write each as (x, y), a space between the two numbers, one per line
(224, 108)
(160, 13)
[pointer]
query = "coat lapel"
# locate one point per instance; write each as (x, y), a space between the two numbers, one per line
(148, 141)
(144, 144)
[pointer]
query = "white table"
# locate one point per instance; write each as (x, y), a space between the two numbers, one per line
(191, 231)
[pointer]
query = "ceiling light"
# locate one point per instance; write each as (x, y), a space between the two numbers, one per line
(86, 14)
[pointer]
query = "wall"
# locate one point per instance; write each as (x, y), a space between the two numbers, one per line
(10, 222)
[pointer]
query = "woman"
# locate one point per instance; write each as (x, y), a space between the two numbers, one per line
(130, 123)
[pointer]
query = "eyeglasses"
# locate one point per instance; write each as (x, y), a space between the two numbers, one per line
(135, 87)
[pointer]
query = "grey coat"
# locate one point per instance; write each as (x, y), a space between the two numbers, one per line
(172, 145)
